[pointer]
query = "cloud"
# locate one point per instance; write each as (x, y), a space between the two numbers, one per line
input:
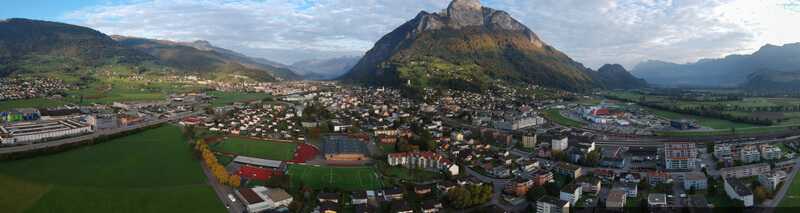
(591, 32)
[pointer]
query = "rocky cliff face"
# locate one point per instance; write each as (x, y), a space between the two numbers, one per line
(773, 80)
(489, 44)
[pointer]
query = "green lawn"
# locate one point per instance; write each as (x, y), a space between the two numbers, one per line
(555, 115)
(223, 159)
(783, 147)
(388, 148)
(349, 178)
(794, 189)
(228, 97)
(152, 171)
(720, 200)
(28, 103)
(258, 148)
(789, 202)
(155, 158)
(402, 172)
(702, 121)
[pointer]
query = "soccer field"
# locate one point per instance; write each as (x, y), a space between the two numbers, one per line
(349, 178)
(258, 148)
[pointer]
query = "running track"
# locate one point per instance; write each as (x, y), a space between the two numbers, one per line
(304, 152)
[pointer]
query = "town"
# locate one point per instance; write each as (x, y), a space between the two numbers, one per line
(311, 146)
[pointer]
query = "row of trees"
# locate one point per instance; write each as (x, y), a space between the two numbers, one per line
(216, 169)
(466, 196)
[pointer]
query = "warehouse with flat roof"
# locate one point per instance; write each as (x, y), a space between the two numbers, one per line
(345, 149)
(41, 130)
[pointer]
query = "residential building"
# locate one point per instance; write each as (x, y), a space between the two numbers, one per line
(750, 154)
(518, 185)
(445, 186)
(630, 188)
(770, 152)
(657, 202)
(694, 179)
(737, 190)
(680, 156)
(328, 207)
(365, 208)
(426, 160)
(744, 171)
(604, 174)
(540, 176)
(772, 179)
(616, 199)
(559, 142)
(422, 189)
(529, 140)
(359, 197)
(259, 198)
(722, 149)
(402, 207)
(392, 194)
(698, 204)
(657, 177)
(571, 193)
(549, 204)
(328, 197)
(568, 170)
(589, 185)
(430, 205)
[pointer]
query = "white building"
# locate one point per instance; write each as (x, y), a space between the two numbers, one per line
(571, 193)
(519, 124)
(750, 154)
(737, 190)
(680, 155)
(549, 204)
(770, 152)
(425, 160)
(772, 179)
(559, 142)
(139, 104)
(41, 130)
(260, 198)
(720, 150)
(694, 179)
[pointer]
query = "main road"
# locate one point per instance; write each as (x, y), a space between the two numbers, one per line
(93, 135)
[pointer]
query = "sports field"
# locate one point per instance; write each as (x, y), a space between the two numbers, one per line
(228, 97)
(152, 171)
(258, 148)
(349, 178)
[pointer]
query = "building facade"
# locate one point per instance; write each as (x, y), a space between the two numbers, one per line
(750, 154)
(680, 155)
(41, 130)
(425, 160)
(737, 190)
(744, 171)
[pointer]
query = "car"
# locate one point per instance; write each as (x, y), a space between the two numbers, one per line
(233, 199)
(227, 205)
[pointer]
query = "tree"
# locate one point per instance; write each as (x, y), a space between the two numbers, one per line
(534, 194)
(712, 190)
(559, 155)
(759, 195)
(710, 146)
(481, 193)
(295, 206)
(459, 197)
(234, 181)
(592, 158)
(733, 130)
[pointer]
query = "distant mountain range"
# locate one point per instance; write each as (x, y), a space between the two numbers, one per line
(328, 68)
(729, 71)
(469, 47)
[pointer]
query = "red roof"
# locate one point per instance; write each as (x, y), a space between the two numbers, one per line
(657, 174)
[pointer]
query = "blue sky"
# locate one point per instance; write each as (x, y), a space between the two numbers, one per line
(591, 32)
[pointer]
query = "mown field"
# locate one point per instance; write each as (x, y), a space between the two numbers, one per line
(555, 115)
(152, 171)
(258, 148)
(349, 178)
(228, 97)
(28, 103)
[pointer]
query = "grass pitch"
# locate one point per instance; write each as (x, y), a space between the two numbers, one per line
(258, 148)
(349, 178)
(28, 103)
(152, 171)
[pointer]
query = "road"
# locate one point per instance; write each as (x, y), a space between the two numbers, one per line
(90, 136)
(782, 192)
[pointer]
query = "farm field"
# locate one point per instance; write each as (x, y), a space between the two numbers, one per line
(794, 189)
(555, 115)
(28, 103)
(152, 171)
(702, 121)
(349, 178)
(725, 132)
(789, 202)
(257, 148)
(228, 97)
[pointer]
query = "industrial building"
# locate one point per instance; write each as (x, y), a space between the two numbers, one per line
(684, 124)
(345, 149)
(139, 104)
(102, 121)
(41, 130)
(261, 198)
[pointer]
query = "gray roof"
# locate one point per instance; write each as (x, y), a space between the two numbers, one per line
(553, 201)
(657, 198)
(697, 201)
(257, 161)
(694, 176)
(625, 185)
(344, 145)
(571, 188)
(738, 186)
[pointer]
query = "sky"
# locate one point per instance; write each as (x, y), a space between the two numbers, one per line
(592, 32)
